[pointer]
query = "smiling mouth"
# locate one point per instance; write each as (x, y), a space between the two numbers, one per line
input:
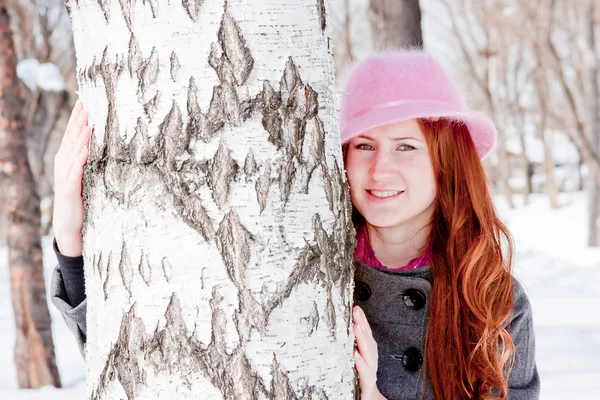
(384, 194)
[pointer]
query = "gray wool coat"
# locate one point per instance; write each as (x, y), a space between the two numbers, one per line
(396, 304)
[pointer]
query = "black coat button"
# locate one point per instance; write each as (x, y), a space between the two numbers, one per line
(412, 359)
(363, 291)
(414, 298)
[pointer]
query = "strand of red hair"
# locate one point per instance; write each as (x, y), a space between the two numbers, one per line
(468, 351)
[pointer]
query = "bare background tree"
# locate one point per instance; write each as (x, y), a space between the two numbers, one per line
(34, 347)
(396, 24)
(44, 49)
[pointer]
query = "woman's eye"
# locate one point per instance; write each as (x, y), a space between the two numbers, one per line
(406, 147)
(364, 146)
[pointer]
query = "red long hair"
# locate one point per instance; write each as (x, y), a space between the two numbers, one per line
(468, 351)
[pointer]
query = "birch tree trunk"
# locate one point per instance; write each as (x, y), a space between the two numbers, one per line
(396, 24)
(217, 238)
(34, 348)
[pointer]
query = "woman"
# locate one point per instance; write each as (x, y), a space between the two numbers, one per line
(438, 313)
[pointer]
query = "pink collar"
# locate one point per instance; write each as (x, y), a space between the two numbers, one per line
(364, 252)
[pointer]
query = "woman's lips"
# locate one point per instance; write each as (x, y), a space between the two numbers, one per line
(374, 198)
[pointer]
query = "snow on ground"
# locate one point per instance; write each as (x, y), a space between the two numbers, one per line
(560, 274)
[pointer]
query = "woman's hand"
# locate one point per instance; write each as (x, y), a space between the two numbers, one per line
(366, 358)
(68, 174)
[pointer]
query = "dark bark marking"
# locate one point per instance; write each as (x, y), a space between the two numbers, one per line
(122, 362)
(287, 176)
(105, 7)
(231, 103)
(134, 56)
(235, 50)
(94, 264)
(233, 241)
(271, 118)
(140, 148)
(126, 11)
(153, 6)
(112, 138)
(263, 183)
(220, 112)
(172, 139)
(174, 66)
(223, 170)
(312, 320)
(289, 85)
(282, 388)
(328, 186)
(167, 269)
(311, 101)
(192, 7)
(114, 175)
(322, 14)
(250, 166)
(331, 315)
(189, 208)
(197, 124)
(105, 284)
(125, 270)
(145, 269)
(318, 157)
(151, 106)
(100, 265)
(148, 73)
(216, 113)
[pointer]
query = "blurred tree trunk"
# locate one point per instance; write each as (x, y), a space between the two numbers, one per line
(396, 24)
(544, 133)
(34, 348)
(549, 165)
(526, 165)
(217, 236)
(593, 119)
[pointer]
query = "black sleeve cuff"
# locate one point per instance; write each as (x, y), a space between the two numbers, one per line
(66, 262)
(71, 269)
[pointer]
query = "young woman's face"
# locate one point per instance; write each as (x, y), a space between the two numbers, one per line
(390, 175)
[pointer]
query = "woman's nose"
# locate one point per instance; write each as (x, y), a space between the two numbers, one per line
(381, 166)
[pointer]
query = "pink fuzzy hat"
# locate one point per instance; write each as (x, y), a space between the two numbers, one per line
(397, 86)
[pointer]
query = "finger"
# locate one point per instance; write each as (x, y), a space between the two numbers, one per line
(80, 122)
(366, 346)
(76, 174)
(366, 377)
(82, 140)
(74, 113)
(362, 318)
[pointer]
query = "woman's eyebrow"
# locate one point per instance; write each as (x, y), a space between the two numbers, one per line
(394, 138)
(404, 137)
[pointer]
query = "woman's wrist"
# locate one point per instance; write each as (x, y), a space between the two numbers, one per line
(69, 246)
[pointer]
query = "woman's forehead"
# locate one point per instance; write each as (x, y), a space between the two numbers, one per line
(394, 131)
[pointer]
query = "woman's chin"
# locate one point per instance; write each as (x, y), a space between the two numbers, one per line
(384, 220)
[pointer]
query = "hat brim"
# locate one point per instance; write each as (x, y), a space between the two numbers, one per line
(482, 129)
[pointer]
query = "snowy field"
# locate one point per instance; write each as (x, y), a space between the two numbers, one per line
(560, 274)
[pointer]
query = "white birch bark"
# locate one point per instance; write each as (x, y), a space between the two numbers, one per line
(217, 241)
